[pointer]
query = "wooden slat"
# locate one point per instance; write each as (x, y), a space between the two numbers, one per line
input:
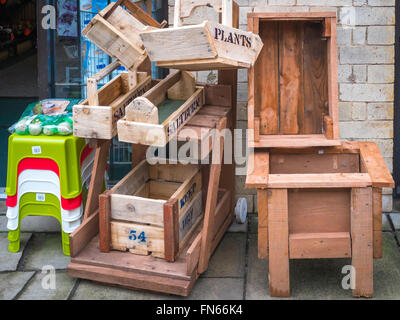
(351, 147)
(171, 230)
(319, 245)
(106, 71)
(322, 180)
(84, 234)
(362, 241)
(139, 239)
(291, 77)
(184, 88)
(292, 15)
(206, 121)
(193, 254)
(137, 209)
(211, 202)
(328, 127)
(262, 200)
(333, 78)
(252, 26)
(173, 172)
(327, 27)
(211, 110)
(315, 79)
(258, 170)
(314, 163)
(374, 164)
(223, 209)
(162, 87)
(278, 234)
(377, 221)
(319, 210)
(293, 141)
(189, 220)
(129, 279)
(129, 184)
(218, 95)
(97, 179)
(105, 221)
(266, 82)
(229, 78)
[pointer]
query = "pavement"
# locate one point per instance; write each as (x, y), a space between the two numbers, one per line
(234, 273)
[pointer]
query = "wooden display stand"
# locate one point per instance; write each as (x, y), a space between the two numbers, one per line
(191, 259)
(191, 256)
(293, 86)
(206, 46)
(317, 197)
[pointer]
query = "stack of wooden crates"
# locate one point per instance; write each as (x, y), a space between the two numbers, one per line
(158, 213)
(318, 197)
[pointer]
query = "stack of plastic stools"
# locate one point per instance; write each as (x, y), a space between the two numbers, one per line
(47, 176)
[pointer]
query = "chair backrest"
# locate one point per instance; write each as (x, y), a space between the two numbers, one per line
(184, 9)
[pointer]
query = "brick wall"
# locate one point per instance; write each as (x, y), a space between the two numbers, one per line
(365, 70)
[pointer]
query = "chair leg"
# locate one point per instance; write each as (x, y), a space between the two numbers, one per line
(14, 240)
(65, 243)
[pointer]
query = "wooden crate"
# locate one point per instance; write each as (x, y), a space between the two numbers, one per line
(153, 210)
(116, 31)
(320, 203)
(159, 114)
(206, 46)
(97, 116)
(293, 95)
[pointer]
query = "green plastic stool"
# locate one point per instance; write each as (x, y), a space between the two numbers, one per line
(29, 206)
(65, 151)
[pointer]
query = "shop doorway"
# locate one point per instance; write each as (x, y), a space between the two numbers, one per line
(18, 68)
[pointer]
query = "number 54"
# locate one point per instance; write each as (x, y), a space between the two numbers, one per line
(141, 237)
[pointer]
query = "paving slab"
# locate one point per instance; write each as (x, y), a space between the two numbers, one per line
(39, 288)
(3, 223)
(3, 207)
(253, 223)
(40, 224)
(321, 278)
(387, 270)
(33, 224)
(46, 249)
(217, 289)
(257, 273)
(11, 283)
(228, 259)
(385, 223)
(395, 217)
(238, 227)
(9, 260)
(89, 290)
